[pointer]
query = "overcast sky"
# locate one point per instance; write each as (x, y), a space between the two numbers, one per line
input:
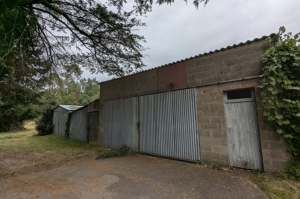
(180, 31)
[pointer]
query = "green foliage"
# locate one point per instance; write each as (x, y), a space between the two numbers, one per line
(122, 151)
(292, 172)
(88, 128)
(216, 166)
(19, 80)
(45, 123)
(68, 87)
(67, 130)
(95, 37)
(280, 89)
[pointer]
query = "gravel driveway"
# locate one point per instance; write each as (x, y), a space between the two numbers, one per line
(136, 176)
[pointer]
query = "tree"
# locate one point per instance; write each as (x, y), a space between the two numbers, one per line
(22, 71)
(68, 87)
(77, 31)
(84, 32)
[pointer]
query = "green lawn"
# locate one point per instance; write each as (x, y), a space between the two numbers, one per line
(36, 152)
(276, 187)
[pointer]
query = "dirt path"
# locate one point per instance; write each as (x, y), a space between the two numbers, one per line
(137, 176)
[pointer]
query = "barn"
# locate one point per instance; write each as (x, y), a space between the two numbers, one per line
(201, 109)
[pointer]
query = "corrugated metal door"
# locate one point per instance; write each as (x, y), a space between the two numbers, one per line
(120, 123)
(242, 129)
(168, 125)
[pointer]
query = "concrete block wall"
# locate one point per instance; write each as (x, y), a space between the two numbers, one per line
(235, 63)
(213, 132)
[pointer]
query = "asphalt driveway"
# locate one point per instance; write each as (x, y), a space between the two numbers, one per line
(136, 176)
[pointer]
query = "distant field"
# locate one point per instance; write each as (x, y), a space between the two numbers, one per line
(24, 151)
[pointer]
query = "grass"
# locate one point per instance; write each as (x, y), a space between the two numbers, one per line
(276, 187)
(27, 141)
(24, 150)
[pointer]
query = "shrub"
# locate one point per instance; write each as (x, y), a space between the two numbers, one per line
(292, 172)
(122, 151)
(45, 124)
(280, 91)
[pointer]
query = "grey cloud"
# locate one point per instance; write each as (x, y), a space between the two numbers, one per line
(180, 31)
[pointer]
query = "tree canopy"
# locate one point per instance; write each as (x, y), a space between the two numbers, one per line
(69, 87)
(84, 32)
(74, 31)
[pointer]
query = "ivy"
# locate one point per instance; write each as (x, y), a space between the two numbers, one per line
(67, 130)
(88, 128)
(280, 88)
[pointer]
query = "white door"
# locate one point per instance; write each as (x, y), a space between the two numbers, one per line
(242, 130)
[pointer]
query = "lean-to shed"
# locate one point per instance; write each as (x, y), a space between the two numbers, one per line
(60, 117)
(78, 124)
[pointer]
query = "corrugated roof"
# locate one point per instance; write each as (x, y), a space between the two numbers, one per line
(200, 55)
(70, 107)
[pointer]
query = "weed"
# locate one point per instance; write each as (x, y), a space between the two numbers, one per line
(216, 166)
(275, 187)
(256, 171)
(122, 151)
(292, 172)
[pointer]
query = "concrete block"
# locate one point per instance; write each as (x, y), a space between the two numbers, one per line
(265, 145)
(223, 159)
(277, 155)
(208, 98)
(217, 120)
(279, 164)
(204, 146)
(220, 98)
(217, 133)
(268, 164)
(210, 126)
(217, 106)
(209, 80)
(204, 119)
(204, 133)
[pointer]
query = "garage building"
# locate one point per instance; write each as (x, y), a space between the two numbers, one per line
(201, 109)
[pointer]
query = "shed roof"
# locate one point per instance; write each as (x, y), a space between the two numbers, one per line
(70, 107)
(200, 55)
